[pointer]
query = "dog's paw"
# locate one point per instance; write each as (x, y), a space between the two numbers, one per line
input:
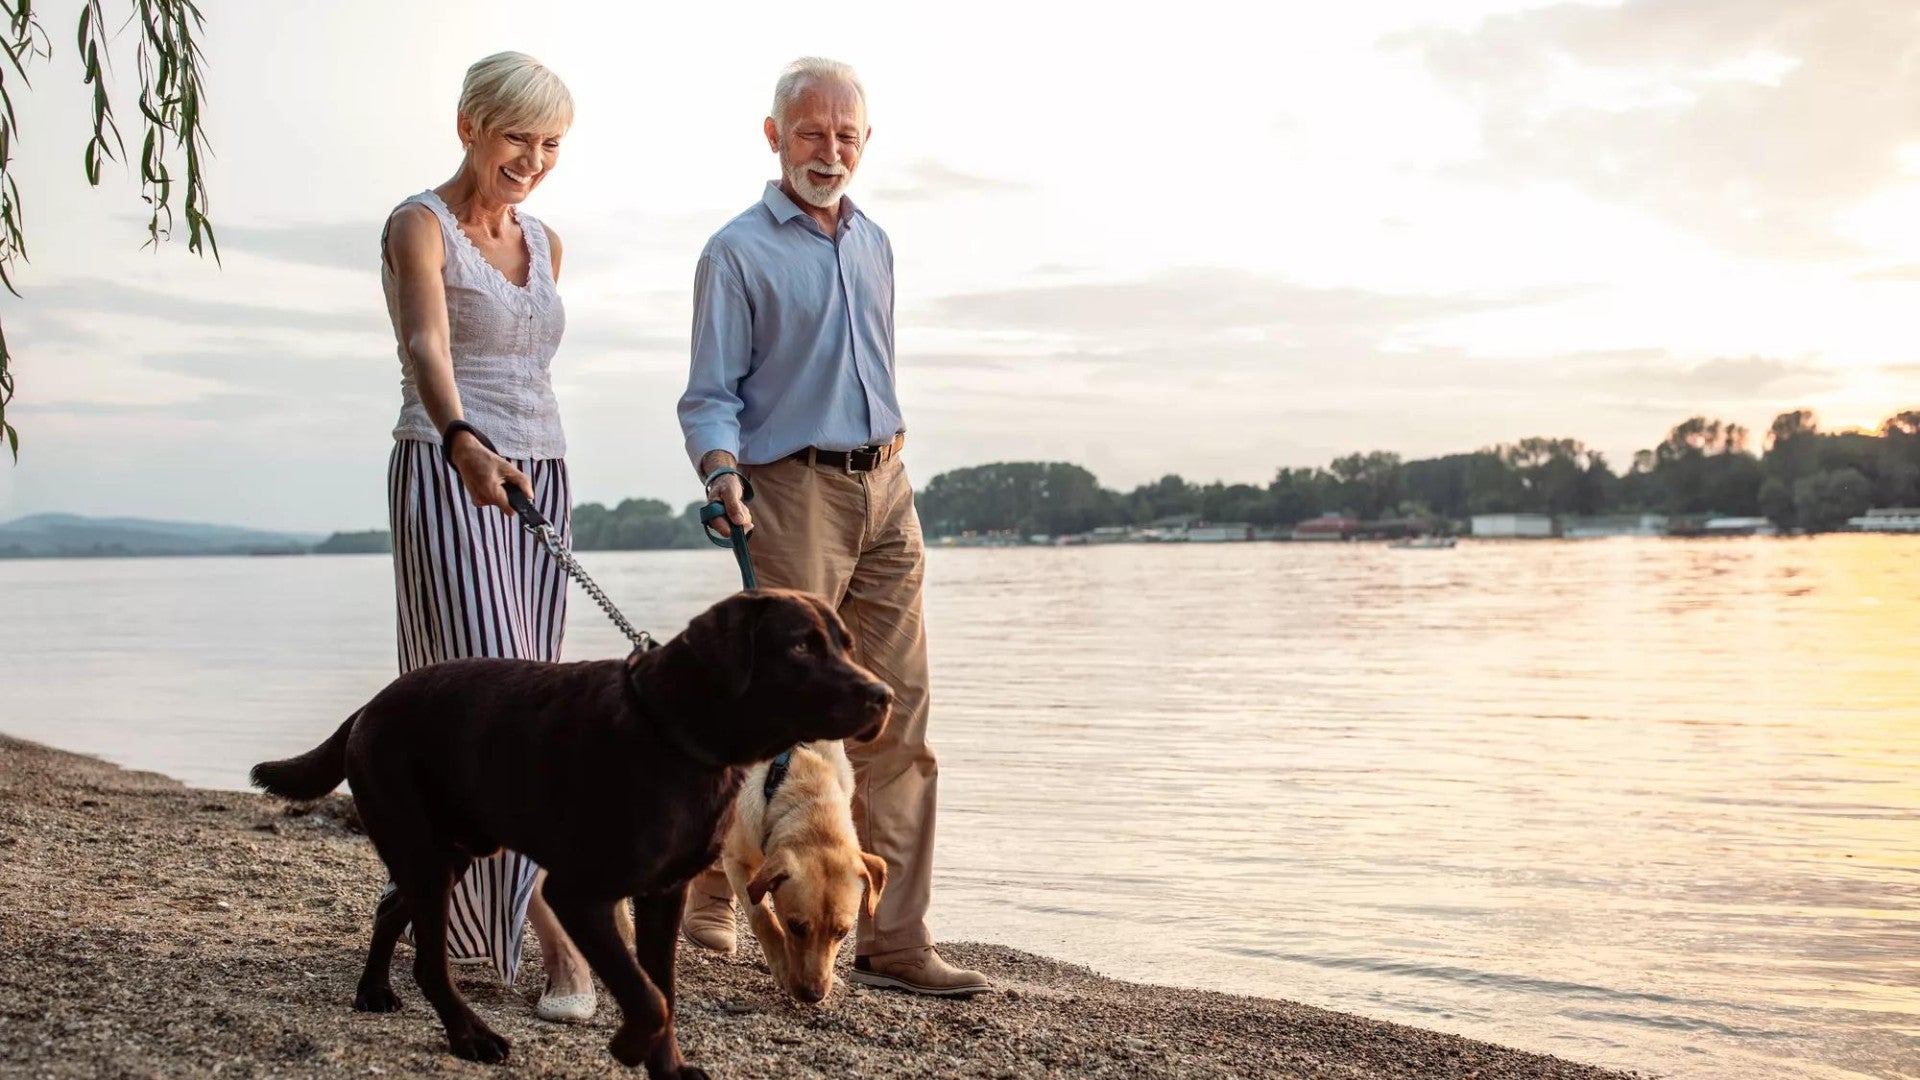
(376, 999)
(631, 1044)
(478, 1043)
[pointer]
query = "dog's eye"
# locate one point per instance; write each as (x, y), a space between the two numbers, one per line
(802, 648)
(799, 928)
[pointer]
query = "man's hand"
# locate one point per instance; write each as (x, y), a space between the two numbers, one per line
(727, 490)
(485, 473)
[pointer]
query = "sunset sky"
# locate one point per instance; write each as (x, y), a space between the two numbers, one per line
(1192, 239)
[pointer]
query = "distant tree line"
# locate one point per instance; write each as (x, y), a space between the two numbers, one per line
(636, 524)
(1804, 478)
(633, 525)
(370, 542)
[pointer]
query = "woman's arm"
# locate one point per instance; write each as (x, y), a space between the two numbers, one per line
(417, 256)
(553, 249)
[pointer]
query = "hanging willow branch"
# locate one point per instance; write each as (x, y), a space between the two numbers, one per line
(167, 60)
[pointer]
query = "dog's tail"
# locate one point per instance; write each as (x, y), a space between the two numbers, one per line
(310, 775)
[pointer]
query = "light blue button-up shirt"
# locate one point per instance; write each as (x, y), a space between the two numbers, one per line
(792, 336)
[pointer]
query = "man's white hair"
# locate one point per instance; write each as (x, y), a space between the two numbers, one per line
(803, 73)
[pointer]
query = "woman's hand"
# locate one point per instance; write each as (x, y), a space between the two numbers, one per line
(485, 473)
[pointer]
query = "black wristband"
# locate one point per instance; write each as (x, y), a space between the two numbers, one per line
(746, 485)
(455, 428)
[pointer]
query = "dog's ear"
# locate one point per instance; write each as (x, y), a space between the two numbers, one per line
(766, 881)
(722, 637)
(876, 880)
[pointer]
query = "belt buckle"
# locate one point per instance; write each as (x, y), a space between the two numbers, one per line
(873, 456)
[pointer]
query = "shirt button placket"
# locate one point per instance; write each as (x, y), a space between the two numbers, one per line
(853, 331)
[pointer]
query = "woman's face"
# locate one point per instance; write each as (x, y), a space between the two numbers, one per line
(508, 165)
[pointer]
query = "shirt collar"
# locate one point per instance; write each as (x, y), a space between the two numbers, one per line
(784, 209)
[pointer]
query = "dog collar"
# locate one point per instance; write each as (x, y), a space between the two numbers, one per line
(776, 774)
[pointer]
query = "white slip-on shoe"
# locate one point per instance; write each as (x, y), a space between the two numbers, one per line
(566, 1008)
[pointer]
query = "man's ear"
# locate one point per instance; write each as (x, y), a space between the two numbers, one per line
(773, 134)
(876, 880)
(722, 639)
(766, 881)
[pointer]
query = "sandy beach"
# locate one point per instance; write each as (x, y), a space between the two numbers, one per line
(153, 929)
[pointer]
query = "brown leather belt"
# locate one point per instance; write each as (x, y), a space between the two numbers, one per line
(857, 460)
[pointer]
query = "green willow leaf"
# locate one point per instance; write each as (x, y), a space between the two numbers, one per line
(167, 61)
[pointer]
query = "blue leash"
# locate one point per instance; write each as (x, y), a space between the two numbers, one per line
(713, 511)
(716, 510)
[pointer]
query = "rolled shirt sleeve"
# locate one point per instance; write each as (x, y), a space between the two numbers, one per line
(721, 353)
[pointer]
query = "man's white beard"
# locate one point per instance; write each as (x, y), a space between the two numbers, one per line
(823, 196)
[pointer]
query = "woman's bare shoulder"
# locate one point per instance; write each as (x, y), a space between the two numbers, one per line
(413, 236)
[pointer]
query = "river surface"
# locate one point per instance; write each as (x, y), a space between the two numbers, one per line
(1652, 804)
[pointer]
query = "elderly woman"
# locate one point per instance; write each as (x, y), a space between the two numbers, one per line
(469, 281)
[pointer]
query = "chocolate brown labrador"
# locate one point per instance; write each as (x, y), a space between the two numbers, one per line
(614, 776)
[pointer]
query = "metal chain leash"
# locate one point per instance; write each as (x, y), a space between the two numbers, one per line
(546, 535)
(536, 523)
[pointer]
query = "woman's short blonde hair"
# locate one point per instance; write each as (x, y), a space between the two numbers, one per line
(512, 91)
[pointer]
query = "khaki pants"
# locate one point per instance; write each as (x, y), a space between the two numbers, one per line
(854, 538)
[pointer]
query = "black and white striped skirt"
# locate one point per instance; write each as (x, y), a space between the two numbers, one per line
(471, 582)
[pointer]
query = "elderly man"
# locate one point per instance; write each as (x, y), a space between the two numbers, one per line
(792, 385)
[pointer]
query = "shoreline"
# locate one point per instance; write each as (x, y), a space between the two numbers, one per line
(156, 929)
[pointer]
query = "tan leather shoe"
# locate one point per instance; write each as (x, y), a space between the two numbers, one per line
(919, 971)
(708, 922)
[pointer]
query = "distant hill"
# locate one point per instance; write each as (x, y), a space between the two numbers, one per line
(70, 535)
(371, 542)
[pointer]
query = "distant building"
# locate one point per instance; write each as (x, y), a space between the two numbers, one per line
(1111, 534)
(1326, 527)
(1394, 528)
(1224, 532)
(1739, 526)
(1512, 526)
(1588, 528)
(1172, 527)
(1891, 519)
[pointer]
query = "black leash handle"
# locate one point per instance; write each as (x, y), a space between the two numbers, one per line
(530, 514)
(521, 502)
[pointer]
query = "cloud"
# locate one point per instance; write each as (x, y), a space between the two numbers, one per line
(269, 369)
(1755, 125)
(353, 245)
(218, 406)
(1908, 272)
(1673, 385)
(255, 378)
(1207, 303)
(928, 179)
(95, 296)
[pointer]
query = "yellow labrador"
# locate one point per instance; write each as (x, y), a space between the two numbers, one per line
(795, 864)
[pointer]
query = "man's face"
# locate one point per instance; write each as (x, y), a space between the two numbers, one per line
(820, 146)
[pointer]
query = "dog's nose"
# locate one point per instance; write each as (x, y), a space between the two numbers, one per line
(879, 695)
(812, 995)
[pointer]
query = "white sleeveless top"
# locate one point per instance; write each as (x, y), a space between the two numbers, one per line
(503, 338)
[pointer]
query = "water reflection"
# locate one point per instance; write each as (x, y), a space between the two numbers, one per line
(1646, 803)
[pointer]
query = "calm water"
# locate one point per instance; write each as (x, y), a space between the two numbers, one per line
(1642, 803)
